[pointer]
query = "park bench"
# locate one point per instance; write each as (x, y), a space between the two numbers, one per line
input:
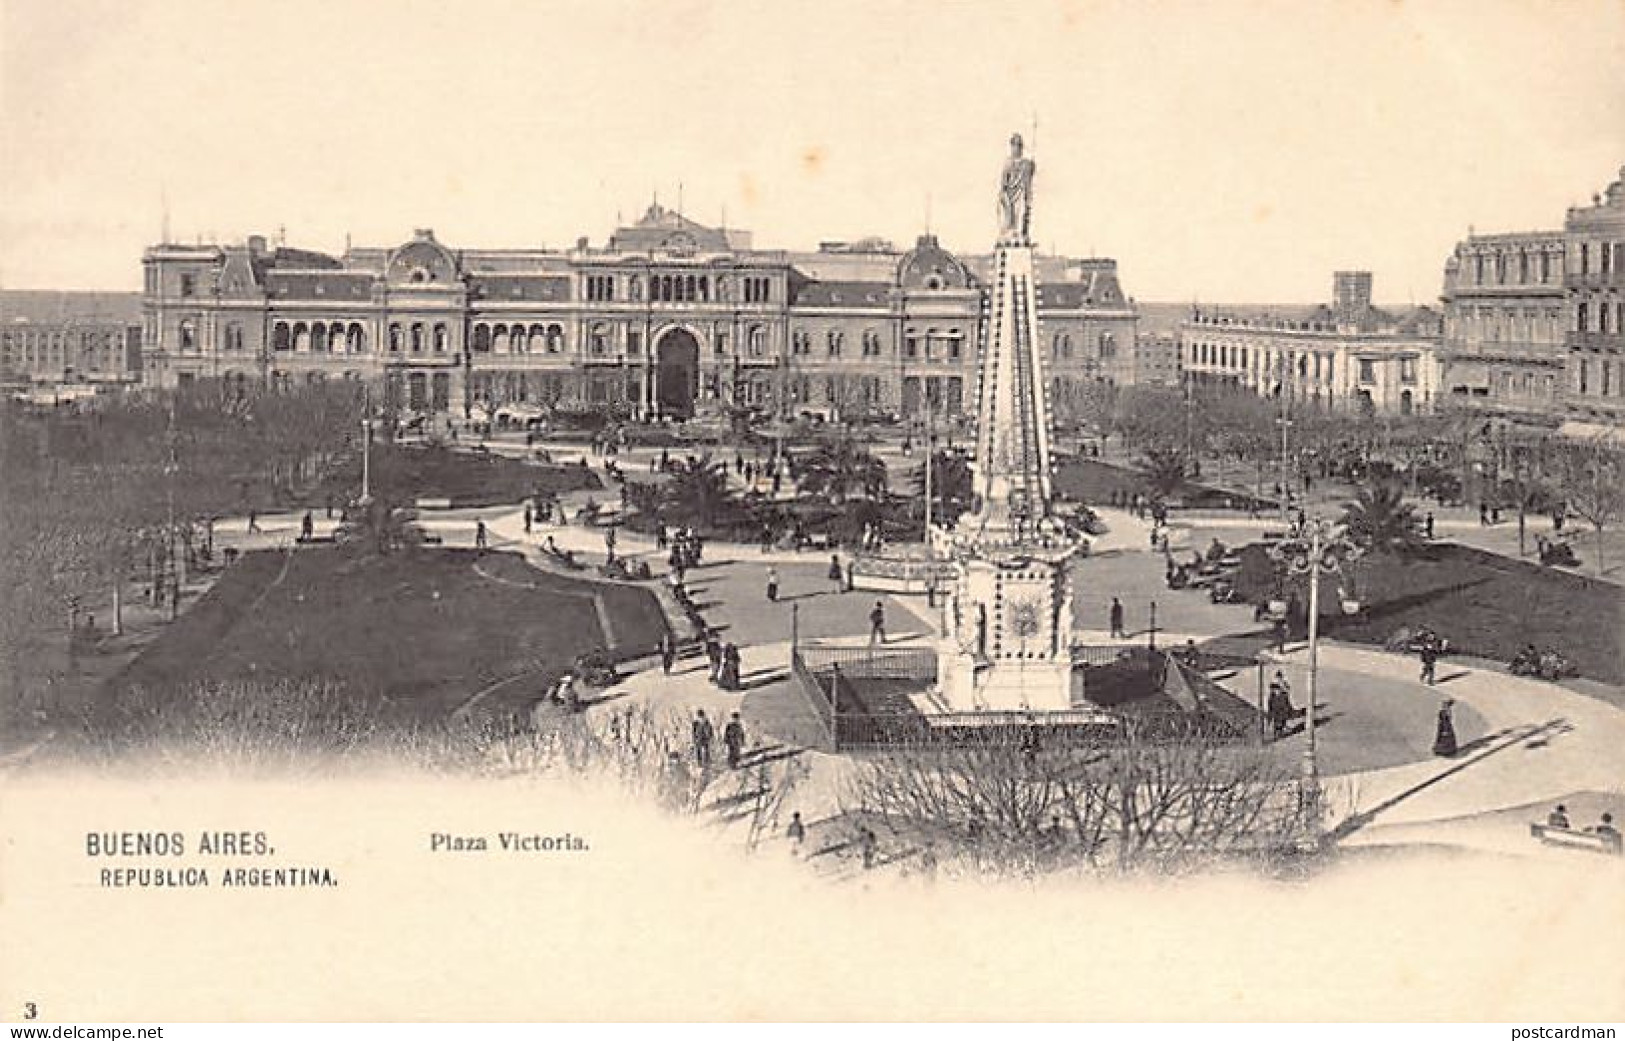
(433, 504)
(1589, 840)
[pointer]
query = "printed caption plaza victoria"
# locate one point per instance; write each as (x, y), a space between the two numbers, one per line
(224, 852)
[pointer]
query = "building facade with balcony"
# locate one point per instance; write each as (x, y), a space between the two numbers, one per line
(1505, 314)
(668, 318)
(1595, 341)
(1350, 356)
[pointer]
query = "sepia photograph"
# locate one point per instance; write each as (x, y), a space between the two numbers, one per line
(907, 512)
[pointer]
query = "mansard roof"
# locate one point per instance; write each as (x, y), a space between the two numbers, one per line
(309, 285)
(497, 287)
(841, 294)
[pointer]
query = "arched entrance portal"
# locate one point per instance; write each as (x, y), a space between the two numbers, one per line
(677, 374)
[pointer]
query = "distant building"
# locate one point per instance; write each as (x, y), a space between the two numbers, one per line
(1595, 282)
(668, 318)
(1533, 323)
(1351, 356)
(1156, 359)
(1504, 323)
(53, 356)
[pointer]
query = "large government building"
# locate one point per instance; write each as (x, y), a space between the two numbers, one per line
(667, 319)
(1535, 322)
(1350, 356)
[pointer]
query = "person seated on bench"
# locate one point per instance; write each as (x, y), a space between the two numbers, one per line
(1606, 829)
(1216, 551)
(1558, 818)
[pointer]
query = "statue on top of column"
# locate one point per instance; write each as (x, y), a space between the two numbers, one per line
(1015, 195)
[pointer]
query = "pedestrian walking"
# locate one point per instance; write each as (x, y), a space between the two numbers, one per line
(796, 832)
(835, 574)
(868, 845)
(529, 517)
(307, 527)
(733, 738)
(713, 654)
(1444, 735)
(877, 624)
(703, 734)
(772, 585)
(668, 653)
(481, 538)
(728, 676)
(253, 521)
(1279, 709)
(1116, 618)
(1430, 660)
(1427, 525)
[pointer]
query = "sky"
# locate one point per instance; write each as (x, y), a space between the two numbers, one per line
(1221, 151)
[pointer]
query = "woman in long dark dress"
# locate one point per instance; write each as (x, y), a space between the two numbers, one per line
(1444, 739)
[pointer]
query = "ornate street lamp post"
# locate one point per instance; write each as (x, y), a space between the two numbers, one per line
(1318, 544)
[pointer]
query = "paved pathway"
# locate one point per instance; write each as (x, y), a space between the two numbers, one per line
(1526, 742)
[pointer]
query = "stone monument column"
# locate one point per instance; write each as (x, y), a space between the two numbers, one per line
(1014, 652)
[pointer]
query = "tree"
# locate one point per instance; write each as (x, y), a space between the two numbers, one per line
(697, 493)
(1591, 478)
(1164, 468)
(1379, 519)
(1012, 803)
(952, 487)
(839, 469)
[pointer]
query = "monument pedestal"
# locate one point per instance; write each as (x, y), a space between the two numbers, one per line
(1007, 642)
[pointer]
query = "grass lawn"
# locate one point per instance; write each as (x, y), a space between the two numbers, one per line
(466, 478)
(417, 632)
(1486, 605)
(1092, 483)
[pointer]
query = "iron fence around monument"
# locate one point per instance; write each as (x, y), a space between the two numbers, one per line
(861, 698)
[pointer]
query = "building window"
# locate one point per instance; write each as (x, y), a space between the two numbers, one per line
(756, 341)
(1607, 377)
(1585, 258)
(757, 290)
(1368, 371)
(600, 287)
(1108, 345)
(836, 340)
(1585, 375)
(1582, 316)
(1545, 267)
(1407, 370)
(598, 340)
(911, 344)
(440, 339)
(188, 337)
(417, 337)
(871, 343)
(188, 284)
(956, 342)
(800, 342)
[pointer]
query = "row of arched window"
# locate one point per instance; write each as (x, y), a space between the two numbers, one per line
(317, 337)
(519, 338)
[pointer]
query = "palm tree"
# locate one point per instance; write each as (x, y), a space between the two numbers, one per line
(841, 469)
(1381, 521)
(697, 492)
(1164, 468)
